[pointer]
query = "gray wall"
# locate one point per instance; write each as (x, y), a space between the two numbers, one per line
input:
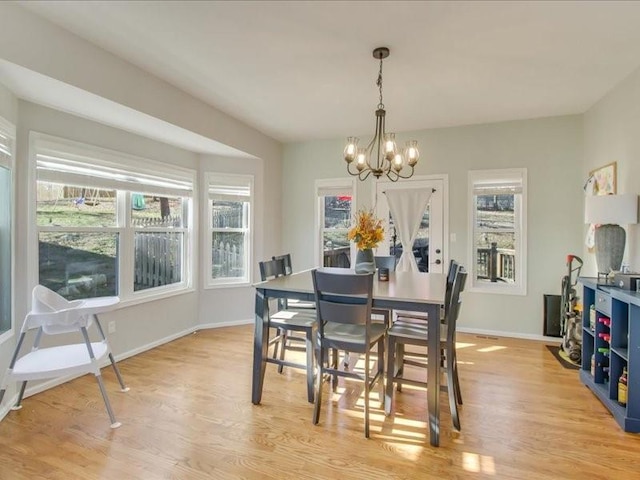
(611, 135)
(550, 149)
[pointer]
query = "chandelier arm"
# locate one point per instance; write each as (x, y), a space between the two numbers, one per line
(356, 173)
(390, 177)
(380, 142)
(368, 172)
(402, 176)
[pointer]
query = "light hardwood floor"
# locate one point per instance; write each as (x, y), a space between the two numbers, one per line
(189, 416)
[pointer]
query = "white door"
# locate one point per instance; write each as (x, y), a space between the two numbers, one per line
(430, 250)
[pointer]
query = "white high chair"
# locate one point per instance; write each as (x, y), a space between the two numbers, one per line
(52, 314)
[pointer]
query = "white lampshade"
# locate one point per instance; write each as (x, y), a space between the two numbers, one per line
(611, 209)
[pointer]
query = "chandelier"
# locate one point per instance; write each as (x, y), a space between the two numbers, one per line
(381, 156)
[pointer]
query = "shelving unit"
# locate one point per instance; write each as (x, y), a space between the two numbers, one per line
(614, 343)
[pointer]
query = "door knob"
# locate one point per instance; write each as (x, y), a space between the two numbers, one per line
(438, 250)
(438, 262)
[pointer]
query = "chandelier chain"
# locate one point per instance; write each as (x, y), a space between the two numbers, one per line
(379, 83)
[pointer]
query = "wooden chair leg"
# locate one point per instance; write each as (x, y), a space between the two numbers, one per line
(320, 355)
(283, 346)
(310, 365)
(381, 358)
(334, 365)
(451, 393)
(367, 389)
(391, 353)
(399, 364)
(456, 379)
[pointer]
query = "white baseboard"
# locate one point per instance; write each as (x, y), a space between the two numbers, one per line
(497, 333)
(235, 323)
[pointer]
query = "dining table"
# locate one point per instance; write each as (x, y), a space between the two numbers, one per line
(408, 291)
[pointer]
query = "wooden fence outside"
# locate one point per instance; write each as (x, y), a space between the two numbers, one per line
(158, 255)
(228, 260)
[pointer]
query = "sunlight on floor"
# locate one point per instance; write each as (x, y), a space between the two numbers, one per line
(494, 348)
(460, 345)
(472, 462)
(407, 451)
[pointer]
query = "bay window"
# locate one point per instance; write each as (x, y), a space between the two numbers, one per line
(106, 225)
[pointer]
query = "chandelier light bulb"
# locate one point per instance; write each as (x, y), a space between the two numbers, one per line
(412, 152)
(398, 162)
(351, 150)
(390, 148)
(361, 159)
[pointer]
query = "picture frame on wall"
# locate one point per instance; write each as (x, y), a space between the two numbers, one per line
(603, 180)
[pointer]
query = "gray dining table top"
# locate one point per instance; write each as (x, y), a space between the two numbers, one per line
(409, 286)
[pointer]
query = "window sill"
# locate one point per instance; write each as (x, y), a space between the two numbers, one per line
(150, 297)
(216, 286)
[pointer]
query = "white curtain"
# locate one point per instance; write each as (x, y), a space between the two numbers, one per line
(407, 207)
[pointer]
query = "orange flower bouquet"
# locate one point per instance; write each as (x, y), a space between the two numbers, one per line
(367, 231)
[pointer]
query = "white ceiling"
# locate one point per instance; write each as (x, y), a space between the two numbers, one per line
(304, 70)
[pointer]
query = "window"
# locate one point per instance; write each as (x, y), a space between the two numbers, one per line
(335, 200)
(230, 199)
(106, 226)
(7, 135)
(498, 230)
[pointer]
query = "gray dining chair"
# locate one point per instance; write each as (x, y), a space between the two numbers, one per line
(286, 321)
(288, 270)
(418, 317)
(388, 262)
(406, 333)
(343, 304)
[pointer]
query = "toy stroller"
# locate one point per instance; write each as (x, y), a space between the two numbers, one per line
(570, 322)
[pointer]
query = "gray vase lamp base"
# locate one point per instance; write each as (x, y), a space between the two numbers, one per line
(609, 245)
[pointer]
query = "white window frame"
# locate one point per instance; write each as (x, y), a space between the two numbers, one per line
(212, 179)
(8, 130)
(179, 182)
(513, 176)
(322, 187)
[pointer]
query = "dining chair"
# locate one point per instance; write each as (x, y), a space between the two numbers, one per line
(343, 304)
(286, 321)
(419, 317)
(388, 262)
(52, 314)
(288, 270)
(414, 333)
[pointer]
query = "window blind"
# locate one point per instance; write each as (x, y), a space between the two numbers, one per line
(5, 145)
(230, 189)
(83, 165)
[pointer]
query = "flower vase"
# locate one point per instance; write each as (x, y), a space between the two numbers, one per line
(365, 263)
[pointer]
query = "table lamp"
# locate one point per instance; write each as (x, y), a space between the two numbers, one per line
(607, 212)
